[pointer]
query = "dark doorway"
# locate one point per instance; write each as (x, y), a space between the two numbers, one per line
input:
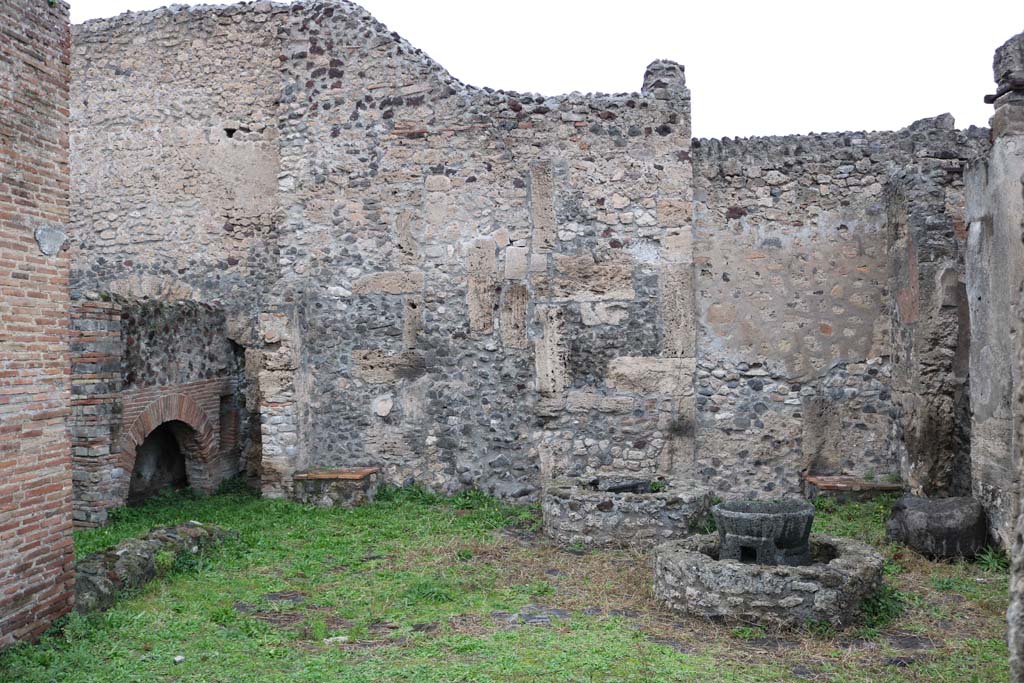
(159, 463)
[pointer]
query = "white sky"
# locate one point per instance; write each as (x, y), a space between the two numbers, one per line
(754, 67)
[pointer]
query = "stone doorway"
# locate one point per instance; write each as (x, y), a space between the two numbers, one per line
(160, 461)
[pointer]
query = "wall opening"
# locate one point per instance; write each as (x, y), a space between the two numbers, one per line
(159, 463)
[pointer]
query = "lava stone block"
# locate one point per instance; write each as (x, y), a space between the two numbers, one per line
(939, 527)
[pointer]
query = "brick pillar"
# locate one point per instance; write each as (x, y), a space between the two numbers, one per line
(96, 350)
(36, 563)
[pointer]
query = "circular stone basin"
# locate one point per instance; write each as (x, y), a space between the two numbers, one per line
(765, 531)
(690, 578)
(622, 511)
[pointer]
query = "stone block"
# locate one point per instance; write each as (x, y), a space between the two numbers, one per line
(517, 263)
(542, 207)
(603, 313)
(551, 355)
(941, 528)
(515, 301)
(651, 375)
(581, 278)
(380, 367)
(339, 487)
(390, 282)
(481, 294)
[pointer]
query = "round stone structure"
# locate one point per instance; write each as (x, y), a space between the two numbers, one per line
(765, 531)
(621, 511)
(690, 578)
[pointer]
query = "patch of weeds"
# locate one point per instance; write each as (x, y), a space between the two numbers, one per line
(992, 560)
(658, 485)
(820, 628)
(825, 505)
(892, 568)
(954, 584)
(464, 554)
(707, 526)
(868, 633)
(435, 589)
(407, 494)
(164, 562)
(885, 606)
(224, 615)
(540, 588)
(749, 632)
(864, 521)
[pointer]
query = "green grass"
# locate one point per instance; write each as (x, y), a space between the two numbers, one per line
(412, 588)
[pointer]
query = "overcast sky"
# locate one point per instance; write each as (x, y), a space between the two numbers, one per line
(753, 67)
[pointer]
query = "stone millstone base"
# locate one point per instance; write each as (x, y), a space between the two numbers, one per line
(342, 487)
(939, 527)
(689, 579)
(576, 511)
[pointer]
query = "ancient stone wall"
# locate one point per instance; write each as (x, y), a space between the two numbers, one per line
(930, 326)
(474, 287)
(795, 306)
(137, 364)
(174, 156)
(995, 273)
(36, 576)
(496, 258)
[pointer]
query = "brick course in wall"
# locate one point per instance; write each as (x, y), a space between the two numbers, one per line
(36, 575)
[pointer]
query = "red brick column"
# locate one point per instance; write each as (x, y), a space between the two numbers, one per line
(36, 563)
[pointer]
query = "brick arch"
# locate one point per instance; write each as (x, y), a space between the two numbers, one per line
(198, 440)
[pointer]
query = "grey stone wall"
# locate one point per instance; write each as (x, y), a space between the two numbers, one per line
(930, 327)
(173, 343)
(174, 155)
(474, 287)
(795, 301)
(995, 272)
(995, 269)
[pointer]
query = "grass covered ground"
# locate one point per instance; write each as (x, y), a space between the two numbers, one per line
(417, 588)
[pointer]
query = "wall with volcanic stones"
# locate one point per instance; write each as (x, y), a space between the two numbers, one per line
(930, 327)
(486, 284)
(793, 298)
(475, 287)
(174, 155)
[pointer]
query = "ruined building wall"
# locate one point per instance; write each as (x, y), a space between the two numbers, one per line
(136, 365)
(36, 579)
(795, 303)
(995, 273)
(930, 327)
(174, 156)
(477, 274)
(475, 287)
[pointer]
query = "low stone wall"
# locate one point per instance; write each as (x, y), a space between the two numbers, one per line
(102, 576)
(578, 511)
(689, 578)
